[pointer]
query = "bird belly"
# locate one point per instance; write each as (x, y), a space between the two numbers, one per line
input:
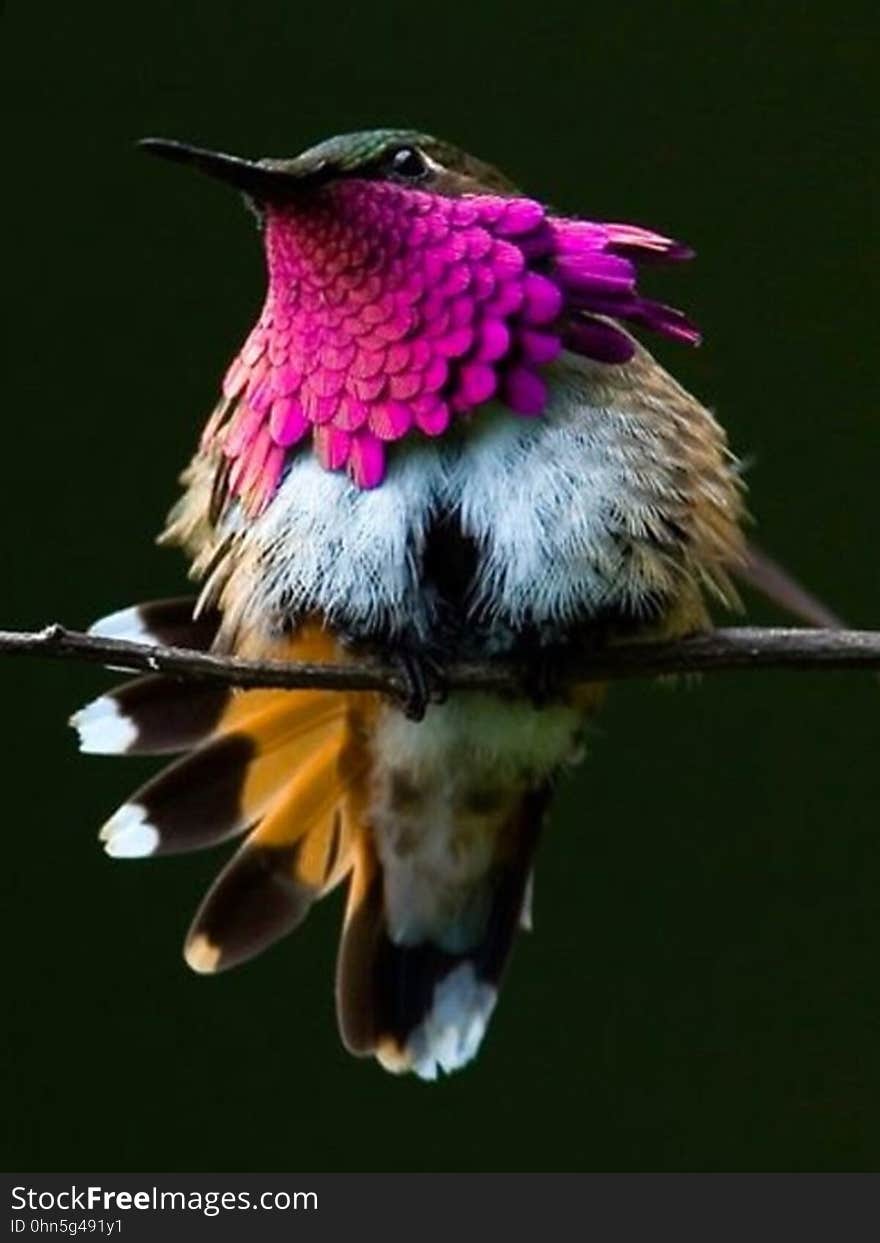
(444, 791)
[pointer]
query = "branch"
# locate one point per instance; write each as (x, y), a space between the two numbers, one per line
(722, 650)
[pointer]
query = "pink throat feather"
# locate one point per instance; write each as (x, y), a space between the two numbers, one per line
(392, 311)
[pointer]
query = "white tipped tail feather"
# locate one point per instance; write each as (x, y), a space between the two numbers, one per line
(128, 834)
(456, 810)
(102, 728)
(124, 624)
(451, 1033)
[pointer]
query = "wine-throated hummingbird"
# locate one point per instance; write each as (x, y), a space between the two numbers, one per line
(440, 439)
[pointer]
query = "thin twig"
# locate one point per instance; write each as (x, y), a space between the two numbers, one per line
(717, 652)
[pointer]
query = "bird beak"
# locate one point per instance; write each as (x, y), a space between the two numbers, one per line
(263, 180)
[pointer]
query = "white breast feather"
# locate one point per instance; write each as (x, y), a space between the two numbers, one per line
(328, 546)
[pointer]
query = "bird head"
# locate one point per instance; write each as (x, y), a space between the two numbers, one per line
(409, 284)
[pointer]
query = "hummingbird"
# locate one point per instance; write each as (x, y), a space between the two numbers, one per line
(441, 440)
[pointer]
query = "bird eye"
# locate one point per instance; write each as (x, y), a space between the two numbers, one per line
(408, 163)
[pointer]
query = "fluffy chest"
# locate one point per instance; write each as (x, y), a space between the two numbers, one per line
(543, 512)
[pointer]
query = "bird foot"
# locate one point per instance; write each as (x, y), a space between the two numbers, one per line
(421, 681)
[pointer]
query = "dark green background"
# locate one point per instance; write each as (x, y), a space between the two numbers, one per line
(702, 988)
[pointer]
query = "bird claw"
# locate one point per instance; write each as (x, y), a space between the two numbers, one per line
(421, 679)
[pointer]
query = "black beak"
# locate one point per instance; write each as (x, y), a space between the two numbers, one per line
(263, 180)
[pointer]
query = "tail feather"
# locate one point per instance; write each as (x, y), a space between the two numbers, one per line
(255, 900)
(161, 715)
(170, 623)
(771, 580)
(362, 929)
(420, 1007)
(154, 715)
(439, 861)
(298, 851)
(226, 786)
